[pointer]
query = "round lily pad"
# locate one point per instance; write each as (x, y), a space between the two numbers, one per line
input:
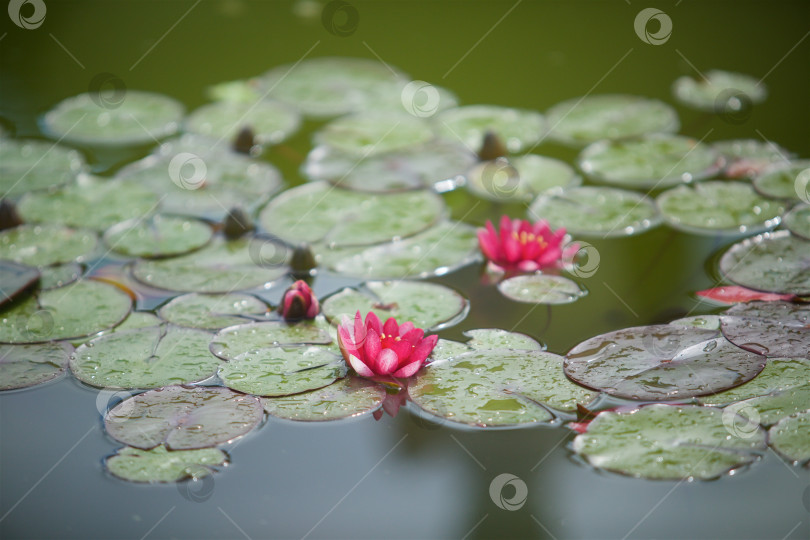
(145, 358)
(596, 211)
(711, 93)
(519, 129)
(138, 319)
(183, 417)
(346, 398)
(785, 181)
(746, 158)
(584, 120)
(418, 98)
(521, 178)
(719, 207)
(427, 305)
(779, 374)
(668, 442)
(234, 341)
(22, 366)
(239, 91)
(59, 275)
(772, 262)
(661, 362)
(791, 437)
(797, 221)
(372, 133)
(320, 212)
(541, 289)
(212, 312)
(44, 245)
(31, 165)
(772, 408)
(16, 279)
(157, 236)
(649, 162)
(220, 267)
(271, 122)
(495, 338)
(76, 310)
(140, 118)
(281, 371)
(772, 329)
(161, 465)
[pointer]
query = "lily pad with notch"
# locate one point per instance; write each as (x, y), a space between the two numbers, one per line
(772, 262)
(22, 366)
(519, 129)
(212, 311)
(270, 121)
(349, 397)
(157, 236)
(520, 178)
(161, 465)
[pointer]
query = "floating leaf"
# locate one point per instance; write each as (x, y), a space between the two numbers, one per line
(157, 236)
(28, 365)
(779, 374)
(44, 245)
(212, 312)
(733, 294)
(716, 90)
(183, 417)
(519, 129)
(76, 310)
(773, 262)
(791, 437)
(719, 207)
(584, 120)
(520, 178)
(137, 118)
(668, 442)
(271, 122)
(495, 338)
(661, 362)
(596, 211)
(707, 322)
(59, 275)
(797, 221)
(419, 98)
(31, 165)
(785, 181)
(348, 397)
(161, 465)
(774, 407)
(16, 278)
(427, 305)
(746, 158)
(541, 289)
(138, 319)
(145, 358)
(772, 329)
(238, 91)
(237, 340)
(649, 162)
(372, 133)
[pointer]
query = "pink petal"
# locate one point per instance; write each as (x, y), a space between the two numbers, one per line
(549, 257)
(314, 308)
(401, 348)
(488, 244)
(414, 336)
(386, 362)
(423, 350)
(359, 330)
(391, 328)
(373, 322)
(408, 369)
(733, 294)
(361, 369)
(405, 328)
(372, 348)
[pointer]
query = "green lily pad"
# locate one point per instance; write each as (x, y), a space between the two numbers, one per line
(319, 212)
(779, 374)
(140, 118)
(584, 120)
(238, 91)
(772, 329)
(59, 275)
(597, 211)
(519, 129)
(719, 207)
(705, 93)
(76, 310)
(770, 409)
(707, 322)
(44, 245)
(161, 465)
(373, 133)
(668, 442)
(785, 181)
(773, 262)
(661, 362)
(31, 165)
(157, 236)
(746, 158)
(222, 266)
(271, 122)
(797, 221)
(234, 341)
(92, 203)
(541, 289)
(418, 98)
(183, 417)
(495, 338)
(145, 358)
(212, 312)
(346, 398)
(649, 162)
(520, 178)
(281, 371)
(791, 437)
(16, 279)
(138, 319)
(22, 366)
(427, 305)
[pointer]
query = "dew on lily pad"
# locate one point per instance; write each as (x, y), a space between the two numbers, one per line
(541, 289)
(584, 120)
(770, 409)
(22, 366)
(496, 338)
(746, 158)
(773, 262)
(372, 133)
(183, 417)
(649, 162)
(212, 311)
(707, 322)
(520, 178)
(80, 309)
(236, 340)
(719, 207)
(31, 165)
(779, 374)
(271, 122)
(45, 245)
(426, 305)
(790, 437)
(16, 279)
(137, 118)
(138, 319)
(772, 329)
(719, 91)
(518, 129)
(797, 221)
(157, 236)
(785, 180)
(661, 362)
(145, 358)
(59, 275)
(668, 442)
(161, 465)
(346, 398)
(597, 211)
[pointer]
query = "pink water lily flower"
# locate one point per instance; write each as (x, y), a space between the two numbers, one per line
(523, 246)
(299, 302)
(373, 349)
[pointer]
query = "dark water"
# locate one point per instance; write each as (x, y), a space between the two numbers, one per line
(402, 477)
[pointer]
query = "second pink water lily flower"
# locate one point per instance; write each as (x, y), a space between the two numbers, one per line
(373, 349)
(523, 246)
(299, 302)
